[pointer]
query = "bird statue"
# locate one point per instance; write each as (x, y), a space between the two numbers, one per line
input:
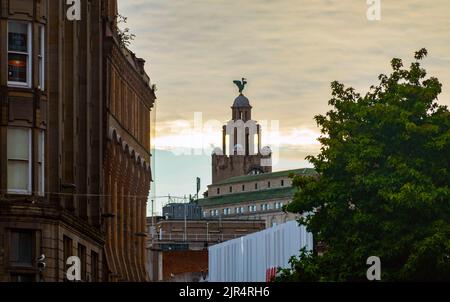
(241, 84)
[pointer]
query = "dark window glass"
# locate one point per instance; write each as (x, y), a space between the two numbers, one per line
(18, 37)
(21, 248)
(17, 68)
(68, 252)
(282, 183)
(94, 267)
(82, 256)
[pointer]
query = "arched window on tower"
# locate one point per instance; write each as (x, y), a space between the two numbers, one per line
(235, 140)
(247, 141)
(227, 144)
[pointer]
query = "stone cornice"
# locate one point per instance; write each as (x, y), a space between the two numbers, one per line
(48, 213)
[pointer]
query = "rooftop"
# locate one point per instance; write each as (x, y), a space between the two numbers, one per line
(248, 196)
(265, 176)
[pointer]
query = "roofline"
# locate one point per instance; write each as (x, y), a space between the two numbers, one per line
(224, 199)
(251, 178)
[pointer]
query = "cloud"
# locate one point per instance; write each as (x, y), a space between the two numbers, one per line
(290, 50)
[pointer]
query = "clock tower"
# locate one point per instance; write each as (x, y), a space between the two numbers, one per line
(241, 152)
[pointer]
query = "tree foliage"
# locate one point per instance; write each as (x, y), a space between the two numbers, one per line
(383, 188)
(124, 33)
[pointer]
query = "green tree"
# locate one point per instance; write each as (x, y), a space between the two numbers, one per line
(383, 188)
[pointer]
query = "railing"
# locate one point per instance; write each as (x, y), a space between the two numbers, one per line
(181, 237)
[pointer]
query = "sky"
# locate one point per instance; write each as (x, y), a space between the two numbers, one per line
(289, 50)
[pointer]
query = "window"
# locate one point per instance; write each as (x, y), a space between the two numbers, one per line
(218, 191)
(19, 161)
(243, 188)
(68, 248)
(19, 54)
(41, 58)
(255, 171)
(22, 251)
(269, 184)
(94, 267)
(82, 256)
(256, 186)
(211, 213)
(278, 205)
(41, 163)
(282, 182)
(231, 189)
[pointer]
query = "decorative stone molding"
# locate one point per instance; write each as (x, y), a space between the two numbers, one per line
(138, 159)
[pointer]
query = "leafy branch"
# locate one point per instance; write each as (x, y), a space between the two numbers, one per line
(124, 35)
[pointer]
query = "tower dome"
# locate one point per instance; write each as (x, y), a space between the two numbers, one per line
(241, 102)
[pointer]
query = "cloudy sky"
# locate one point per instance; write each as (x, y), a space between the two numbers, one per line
(290, 51)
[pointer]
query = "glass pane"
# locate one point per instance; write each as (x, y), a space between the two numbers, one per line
(17, 68)
(18, 37)
(21, 248)
(17, 176)
(41, 38)
(18, 143)
(40, 179)
(40, 72)
(41, 146)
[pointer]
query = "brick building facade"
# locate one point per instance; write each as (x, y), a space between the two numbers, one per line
(68, 130)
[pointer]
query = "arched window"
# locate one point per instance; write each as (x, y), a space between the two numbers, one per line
(247, 141)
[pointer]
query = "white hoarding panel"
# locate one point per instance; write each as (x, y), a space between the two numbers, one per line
(248, 259)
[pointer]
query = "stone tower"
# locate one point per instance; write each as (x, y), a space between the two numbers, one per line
(241, 152)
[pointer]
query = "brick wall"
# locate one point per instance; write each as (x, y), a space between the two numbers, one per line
(178, 263)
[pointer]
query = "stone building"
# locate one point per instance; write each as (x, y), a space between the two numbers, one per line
(74, 116)
(243, 184)
(249, 197)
